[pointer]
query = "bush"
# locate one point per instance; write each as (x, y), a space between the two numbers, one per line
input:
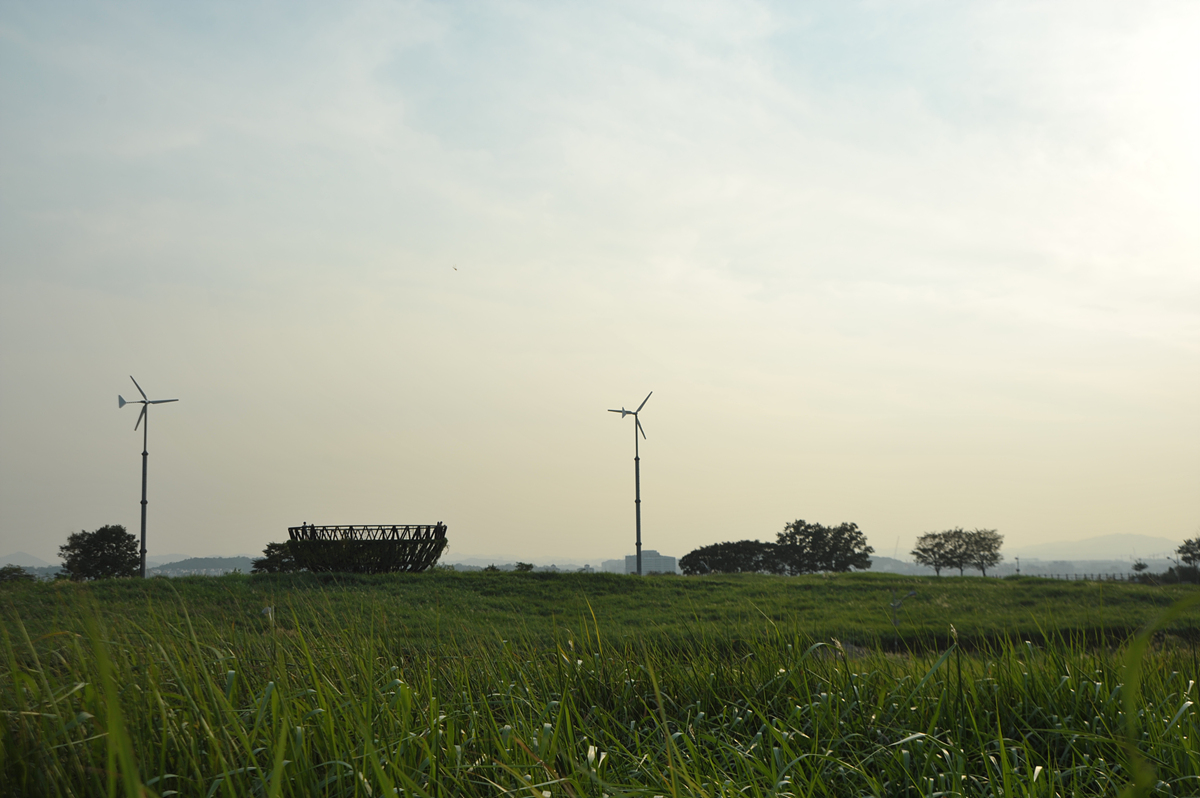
(801, 548)
(737, 557)
(15, 573)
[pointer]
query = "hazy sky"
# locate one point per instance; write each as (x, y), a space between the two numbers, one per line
(912, 265)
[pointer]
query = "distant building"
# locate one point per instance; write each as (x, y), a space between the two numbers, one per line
(613, 566)
(652, 563)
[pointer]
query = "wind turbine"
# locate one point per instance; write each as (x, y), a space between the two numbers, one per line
(637, 471)
(143, 416)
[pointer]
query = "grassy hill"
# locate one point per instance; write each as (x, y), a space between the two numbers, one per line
(429, 609)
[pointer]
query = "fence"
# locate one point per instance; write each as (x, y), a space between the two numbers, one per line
(1088, 577)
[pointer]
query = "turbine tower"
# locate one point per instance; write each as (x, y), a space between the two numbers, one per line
(637, 472)
(143, 416)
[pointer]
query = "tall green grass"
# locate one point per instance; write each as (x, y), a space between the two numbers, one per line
(421, 611)
(311, 700)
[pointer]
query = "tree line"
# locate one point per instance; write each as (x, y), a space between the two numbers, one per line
(801, 548)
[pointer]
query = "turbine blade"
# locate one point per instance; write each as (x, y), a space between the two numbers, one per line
(617, 411)
(141, 415)
(143, 393)
(162, 401)
(639, 426)
(121, 401)
(643, 404)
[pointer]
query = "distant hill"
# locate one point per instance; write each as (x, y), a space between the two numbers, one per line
(1030, 566)
(202, 566)
(888, 565)
(24, 560)
(42, 573)
(468, 561)
(155, 560)
(511, 566)
(1125, 547)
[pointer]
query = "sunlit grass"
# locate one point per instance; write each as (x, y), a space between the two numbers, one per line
(328, 695)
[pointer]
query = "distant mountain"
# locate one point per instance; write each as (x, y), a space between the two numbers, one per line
(161, 559)
(512, 566)
(1030, 566)
(24, 560)
(562, 563)
(888, 565)
(202, 566)
(1126, 547)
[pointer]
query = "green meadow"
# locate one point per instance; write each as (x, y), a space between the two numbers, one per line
(591, 685)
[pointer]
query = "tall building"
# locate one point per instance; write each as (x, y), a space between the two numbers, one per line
(652, 563)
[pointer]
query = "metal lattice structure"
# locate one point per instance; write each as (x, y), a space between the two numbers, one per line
(368, 548)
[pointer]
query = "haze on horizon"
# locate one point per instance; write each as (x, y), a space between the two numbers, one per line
(915, 265)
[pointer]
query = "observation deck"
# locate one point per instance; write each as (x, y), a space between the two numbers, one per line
(368, 548)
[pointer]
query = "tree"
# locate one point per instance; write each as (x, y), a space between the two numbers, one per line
(804, 548)
(983, 549)
(1189, 552)
(106, 553)
(933, 551)
(950, 548)
(737, 557)
(956, 549)
(524, 567)
(15, 573)
(1140, 566)
(278, 558)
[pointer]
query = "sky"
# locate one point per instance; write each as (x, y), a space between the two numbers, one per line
(911, 265)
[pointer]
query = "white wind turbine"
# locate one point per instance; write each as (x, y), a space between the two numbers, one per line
(637, 472)
(143, 416)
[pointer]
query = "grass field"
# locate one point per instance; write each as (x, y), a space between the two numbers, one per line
(572, 685)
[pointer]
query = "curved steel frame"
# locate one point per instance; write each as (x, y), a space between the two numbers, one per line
(368, 548)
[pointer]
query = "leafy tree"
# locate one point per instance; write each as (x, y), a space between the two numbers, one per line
(804, 548)
(956, 549)
(1140, 566)
(524, 567)
(15, 573)
(491, 568)
(107, 552)
(278, 558)
(1189, 552)
(950, 548)
(934, 551)
(983, 549)
(742, 556)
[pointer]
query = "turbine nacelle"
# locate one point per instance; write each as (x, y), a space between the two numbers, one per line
(634, 413)
(145, 402)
